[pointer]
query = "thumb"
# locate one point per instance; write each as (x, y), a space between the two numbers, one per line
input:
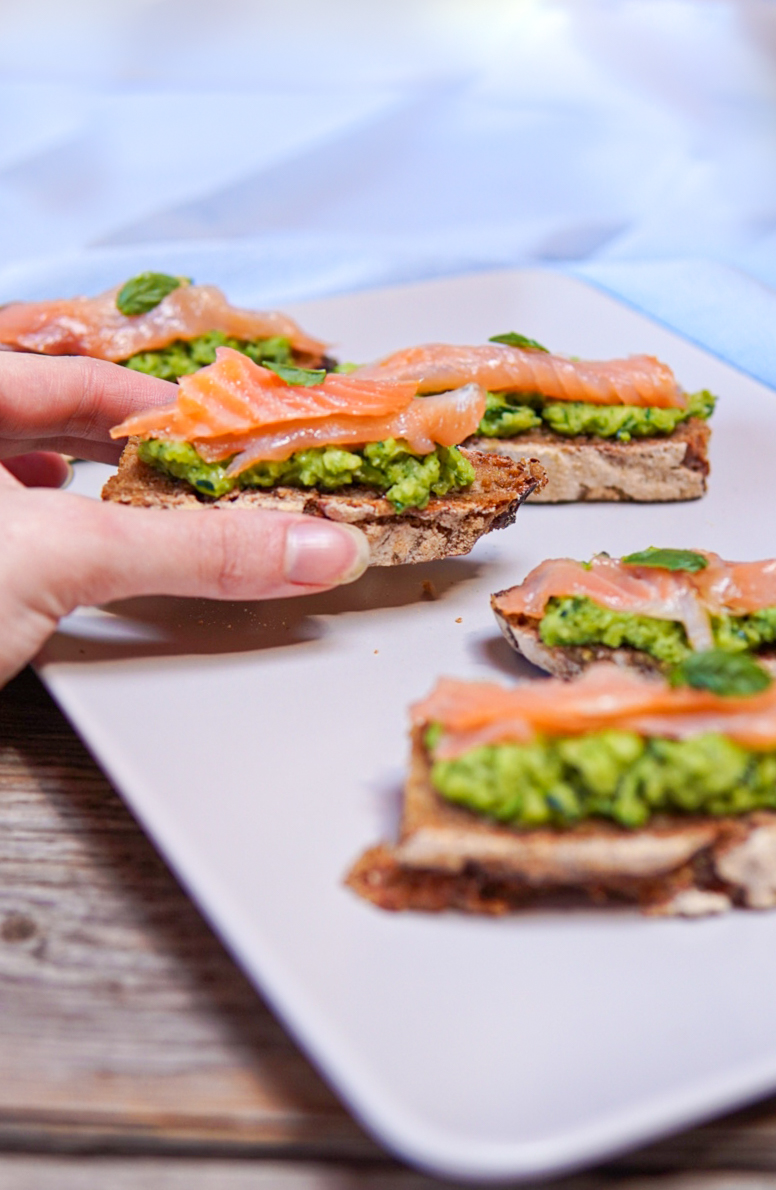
(58, 551)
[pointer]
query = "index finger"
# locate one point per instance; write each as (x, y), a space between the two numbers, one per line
(71, 397)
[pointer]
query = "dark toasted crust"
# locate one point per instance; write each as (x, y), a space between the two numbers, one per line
(448, 526)
(378, 876)
(695, 433)
(448, 857)
(673, 467)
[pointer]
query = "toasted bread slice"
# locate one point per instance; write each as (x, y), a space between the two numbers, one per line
(448, 857)
(447, 526)
(584, 468)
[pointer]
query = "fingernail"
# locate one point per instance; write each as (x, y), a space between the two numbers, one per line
(319, 552)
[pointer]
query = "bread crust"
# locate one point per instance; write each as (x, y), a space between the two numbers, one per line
(448, 526)
(448, 857)
(585, 468)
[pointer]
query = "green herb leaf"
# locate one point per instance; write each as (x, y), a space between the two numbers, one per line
(302, 377)
(731, 674)
(512, 339)
(147, 290)
(667, 559)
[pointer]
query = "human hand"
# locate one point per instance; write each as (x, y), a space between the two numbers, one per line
(58, 550)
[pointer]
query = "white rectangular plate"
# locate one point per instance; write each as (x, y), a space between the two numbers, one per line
(263, 747)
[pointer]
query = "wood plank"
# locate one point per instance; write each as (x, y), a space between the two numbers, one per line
(744, 1140)
(99, 1173)
(34, 1173)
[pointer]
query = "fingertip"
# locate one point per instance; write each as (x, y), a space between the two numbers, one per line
(40, 469)
(324, 553)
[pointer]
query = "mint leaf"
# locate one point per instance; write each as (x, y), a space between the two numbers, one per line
(512, 339)
(302, 377)
(729, 674)
(667, 559)
(142, 293)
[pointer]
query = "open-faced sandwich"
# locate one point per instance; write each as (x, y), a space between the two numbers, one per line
(614, 786)
(647, 611)
(368, 452)
(159, 324)
(616, 430)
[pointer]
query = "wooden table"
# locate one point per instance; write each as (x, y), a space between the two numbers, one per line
(133, 1053)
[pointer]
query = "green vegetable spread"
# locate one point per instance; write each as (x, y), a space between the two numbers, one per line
(184, 356)
(509, 414)
(576, 620)
(408, 480)
(616, 775)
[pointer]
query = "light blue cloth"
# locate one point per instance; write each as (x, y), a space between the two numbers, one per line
(544, 129)
(720, 308)
(290, 151)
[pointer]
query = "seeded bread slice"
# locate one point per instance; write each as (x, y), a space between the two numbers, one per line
(585, 468)
(450, 858)
(447, 526)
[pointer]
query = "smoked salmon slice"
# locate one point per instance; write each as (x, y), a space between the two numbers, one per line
(737, 587)
(473, 714)
(237, 407)
(639, 590)
(689, 598)
(95, 326)
(425, 423)
(435, 367)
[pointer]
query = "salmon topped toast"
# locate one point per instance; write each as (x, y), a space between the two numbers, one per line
(159, 324)
(365, 451)
(613, 786)
(619, 429)
(647, 611)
